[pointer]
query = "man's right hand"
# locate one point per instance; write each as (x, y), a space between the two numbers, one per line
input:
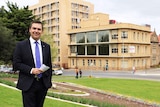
(36, 71)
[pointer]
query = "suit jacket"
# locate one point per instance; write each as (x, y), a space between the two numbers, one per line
(24, 62)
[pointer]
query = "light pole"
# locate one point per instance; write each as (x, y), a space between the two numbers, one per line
(123, 50)
(76, 59)
(91, 64)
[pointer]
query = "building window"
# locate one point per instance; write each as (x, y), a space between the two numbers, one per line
(137, 49)
(103, 36)
(88, 62)
(114, 65)
(124, 63)
(59, 59)
(114, 50)
(58, 43)
(39, 9)
(91, 37)
(104, 49)
(83, 62)
(58, 51)
(134, 36)
(73, 49)
(95, 62)
(146, 37)
(142, 37)
(106, 61)
(138, 36)
(57, 20)
(72, 5)
(91, 50)
(73, 62)
(124, 49)
(81, 50)
(57, 4)
(100, 63)
(72, 38)
(115, 36)
(124, 34)
(80, 37)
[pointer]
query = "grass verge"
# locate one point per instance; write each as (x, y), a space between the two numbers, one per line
(140, 89)
(12, 98)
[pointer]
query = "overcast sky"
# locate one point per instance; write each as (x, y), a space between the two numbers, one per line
(131, 11)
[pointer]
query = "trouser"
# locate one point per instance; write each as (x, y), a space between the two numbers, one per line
(35, 96)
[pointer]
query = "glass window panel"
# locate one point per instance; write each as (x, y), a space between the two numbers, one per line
(81, 50)
(104, 49)
(73, 49)
(91, 37)
(72, 38)
(103, 36)
(91, 50)
(80, 37)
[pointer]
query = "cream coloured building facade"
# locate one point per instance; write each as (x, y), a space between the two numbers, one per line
(117, 46)
(91, 41)
(59, 16)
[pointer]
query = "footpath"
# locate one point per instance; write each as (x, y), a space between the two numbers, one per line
(145, 71)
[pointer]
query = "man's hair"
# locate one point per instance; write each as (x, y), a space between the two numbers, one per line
(36, 21)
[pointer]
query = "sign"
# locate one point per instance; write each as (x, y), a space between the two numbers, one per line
(131, 49)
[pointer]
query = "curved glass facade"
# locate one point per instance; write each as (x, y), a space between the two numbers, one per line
(89, 39)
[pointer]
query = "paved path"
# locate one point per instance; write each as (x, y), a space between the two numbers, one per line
(150, 74)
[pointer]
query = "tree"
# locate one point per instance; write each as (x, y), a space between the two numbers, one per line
(2, 11)
(49, 39)
(18, 19)
(7, 44)
(14, 23)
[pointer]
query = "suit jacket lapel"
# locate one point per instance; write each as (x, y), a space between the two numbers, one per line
(29, 51)
(43, 51)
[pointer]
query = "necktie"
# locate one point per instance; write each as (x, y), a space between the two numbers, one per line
(38, 59)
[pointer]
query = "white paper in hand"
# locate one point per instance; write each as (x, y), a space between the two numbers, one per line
(44, 68)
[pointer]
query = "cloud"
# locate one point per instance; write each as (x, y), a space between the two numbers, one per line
(131, 11)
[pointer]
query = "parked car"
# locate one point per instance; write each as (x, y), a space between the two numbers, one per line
(56, 70)
(6, 69)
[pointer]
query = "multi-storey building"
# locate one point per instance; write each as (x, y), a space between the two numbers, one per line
(101, 43)
(93, 41)
(59, 16)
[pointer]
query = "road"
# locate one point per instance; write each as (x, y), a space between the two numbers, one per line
(149, 74)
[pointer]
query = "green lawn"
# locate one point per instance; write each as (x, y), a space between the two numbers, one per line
(12, 98)
(141, 89)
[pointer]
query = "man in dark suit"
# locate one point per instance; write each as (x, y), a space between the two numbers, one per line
(33, 82)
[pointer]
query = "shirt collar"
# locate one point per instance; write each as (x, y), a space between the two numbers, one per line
(33, 41)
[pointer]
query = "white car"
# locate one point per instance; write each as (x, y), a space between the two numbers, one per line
(6, 69)
(57, 72)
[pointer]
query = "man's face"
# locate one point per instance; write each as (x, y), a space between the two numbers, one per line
(36, 31)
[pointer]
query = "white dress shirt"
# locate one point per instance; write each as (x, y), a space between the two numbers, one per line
(33, 45)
